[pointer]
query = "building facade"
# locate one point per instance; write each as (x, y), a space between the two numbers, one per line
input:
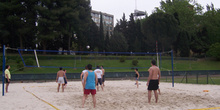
(107, 19)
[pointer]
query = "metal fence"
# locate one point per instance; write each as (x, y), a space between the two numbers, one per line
(199, 77)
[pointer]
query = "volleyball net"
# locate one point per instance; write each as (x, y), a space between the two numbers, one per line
(33, 61)
(121, 61)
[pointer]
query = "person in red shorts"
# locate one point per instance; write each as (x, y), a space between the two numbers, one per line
(90, 80)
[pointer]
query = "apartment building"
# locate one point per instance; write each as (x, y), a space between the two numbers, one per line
(108, 21)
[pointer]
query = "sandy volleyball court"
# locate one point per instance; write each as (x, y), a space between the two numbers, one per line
(117, 95)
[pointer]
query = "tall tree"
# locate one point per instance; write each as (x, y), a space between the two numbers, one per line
(118, 43)
(17, 22)
(160, 27)
(48, 23)
(101, 37)
(131, 34)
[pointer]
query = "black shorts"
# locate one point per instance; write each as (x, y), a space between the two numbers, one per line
(6, 80)
(99, 81)
(103, 78)
(153, 85)
(65, 80)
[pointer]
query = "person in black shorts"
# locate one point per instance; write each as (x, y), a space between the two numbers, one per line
(137, 76)
(7, 77)
(99, 74)
(65, 78)
(103, 76)
(153, 80)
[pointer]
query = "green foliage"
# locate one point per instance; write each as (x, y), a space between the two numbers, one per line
(20, 66)
(183, 44)
(122, 59)
(135, 62)
(118, 43)
(214, 51)
(29, 61)
(18, 60)
(160, 27)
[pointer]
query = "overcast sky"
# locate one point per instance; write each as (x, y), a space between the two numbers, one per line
(118, 7)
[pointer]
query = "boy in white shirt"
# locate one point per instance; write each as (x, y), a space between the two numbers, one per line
(99, 74)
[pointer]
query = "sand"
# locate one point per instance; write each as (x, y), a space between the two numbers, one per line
(118, 95)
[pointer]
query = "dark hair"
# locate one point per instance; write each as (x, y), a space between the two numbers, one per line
(89, 66)
(97, 67)
(64, 70)
(102, 66)
(153, 62)
(6, 66)
(61, 68)
(136, 69)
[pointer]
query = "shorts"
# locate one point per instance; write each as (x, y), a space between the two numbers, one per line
(65, 80)
(99, 81)
(88, 91)
(137, 79)
(60, 80)
(103, 78)
(153, 85)
(6, 80)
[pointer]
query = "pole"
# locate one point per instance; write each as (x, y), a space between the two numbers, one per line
(135, 10)
(3, 70)
(157, 55)
(172, 68)
(35, 53)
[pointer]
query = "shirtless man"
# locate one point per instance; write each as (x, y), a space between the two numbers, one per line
(103, 76)
(60, 79)
(153, 80)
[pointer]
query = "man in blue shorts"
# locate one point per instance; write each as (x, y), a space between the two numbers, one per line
(99, 74)
(90, 80)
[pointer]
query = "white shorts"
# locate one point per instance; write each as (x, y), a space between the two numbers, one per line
(60, 80)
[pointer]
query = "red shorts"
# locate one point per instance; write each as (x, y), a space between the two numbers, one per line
(88, 91)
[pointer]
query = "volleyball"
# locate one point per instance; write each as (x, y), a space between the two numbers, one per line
(87, 46)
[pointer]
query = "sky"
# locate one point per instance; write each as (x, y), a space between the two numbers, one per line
(118, 7)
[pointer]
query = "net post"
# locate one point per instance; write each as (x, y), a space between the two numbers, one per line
(35, 53)
(160, 63)
(3, 72)
(172, 68)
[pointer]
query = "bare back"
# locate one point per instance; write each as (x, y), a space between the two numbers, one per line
(154, 72)
(103, 71)
(60, 73)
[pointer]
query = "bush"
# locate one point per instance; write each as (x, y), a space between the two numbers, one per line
(135, 62)
(20, 66)
(29, 61)
(214, 51)
(122, 59)
(18, 60)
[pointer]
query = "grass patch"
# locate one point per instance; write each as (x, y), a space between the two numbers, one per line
(111, 63)
(212, 79)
